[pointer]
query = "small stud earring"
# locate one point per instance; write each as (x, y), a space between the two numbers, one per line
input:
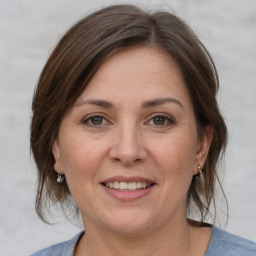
(60, 177)
(199, 171)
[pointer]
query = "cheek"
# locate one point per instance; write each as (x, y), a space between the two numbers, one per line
(80, 161)
(175, 160)
(176, 156)
(79, 156)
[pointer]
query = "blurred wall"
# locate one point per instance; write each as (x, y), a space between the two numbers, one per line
(29, 29)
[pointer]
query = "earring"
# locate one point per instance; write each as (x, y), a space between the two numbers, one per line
(199, 171)
(60, 177)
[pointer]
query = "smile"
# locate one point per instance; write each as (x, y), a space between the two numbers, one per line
(128, 189)
(127, 186)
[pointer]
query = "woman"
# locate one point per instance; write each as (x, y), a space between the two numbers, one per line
(126, 123)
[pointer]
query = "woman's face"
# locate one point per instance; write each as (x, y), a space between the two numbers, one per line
(129, 146)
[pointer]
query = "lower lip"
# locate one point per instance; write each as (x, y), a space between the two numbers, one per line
(128, 196)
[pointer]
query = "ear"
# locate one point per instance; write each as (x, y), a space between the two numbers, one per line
(203, 147)
(56, 154)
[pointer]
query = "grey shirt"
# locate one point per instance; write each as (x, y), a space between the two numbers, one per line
(221, 244)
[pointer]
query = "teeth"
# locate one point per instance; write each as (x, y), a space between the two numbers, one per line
(138, 184)
(132, 185)
(127, 185)
(116, 185)
(123, 185)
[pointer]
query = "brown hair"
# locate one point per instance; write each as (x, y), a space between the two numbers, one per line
(76, 59)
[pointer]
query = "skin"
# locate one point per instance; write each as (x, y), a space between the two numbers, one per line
(128, 139)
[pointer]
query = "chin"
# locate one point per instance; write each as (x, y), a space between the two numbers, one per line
(133, 222)
(130, 228)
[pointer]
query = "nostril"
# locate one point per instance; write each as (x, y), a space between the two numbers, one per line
(127, 150)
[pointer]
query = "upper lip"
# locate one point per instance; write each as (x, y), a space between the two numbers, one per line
(128, 179)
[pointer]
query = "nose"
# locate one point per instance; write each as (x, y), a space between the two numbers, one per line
(127, 146)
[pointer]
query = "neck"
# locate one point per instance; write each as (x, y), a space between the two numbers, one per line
(174, 239)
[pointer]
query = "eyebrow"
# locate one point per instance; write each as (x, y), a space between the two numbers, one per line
(146, 104)
(100, 103)
(160, 101)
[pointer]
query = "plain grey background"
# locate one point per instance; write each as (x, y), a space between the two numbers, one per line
(29, 29)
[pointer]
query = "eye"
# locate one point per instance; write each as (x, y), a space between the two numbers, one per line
(161, 120)
(95, 120)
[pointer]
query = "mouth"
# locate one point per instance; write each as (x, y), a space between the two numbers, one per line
(127, 186)
(128, 189)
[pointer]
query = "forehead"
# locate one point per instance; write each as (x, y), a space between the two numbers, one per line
(137, 73)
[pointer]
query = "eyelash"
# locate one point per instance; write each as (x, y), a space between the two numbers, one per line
(89, 119)
(167, 118)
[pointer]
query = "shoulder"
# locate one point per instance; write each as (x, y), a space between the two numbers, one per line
(61, 249)
(226, 244)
